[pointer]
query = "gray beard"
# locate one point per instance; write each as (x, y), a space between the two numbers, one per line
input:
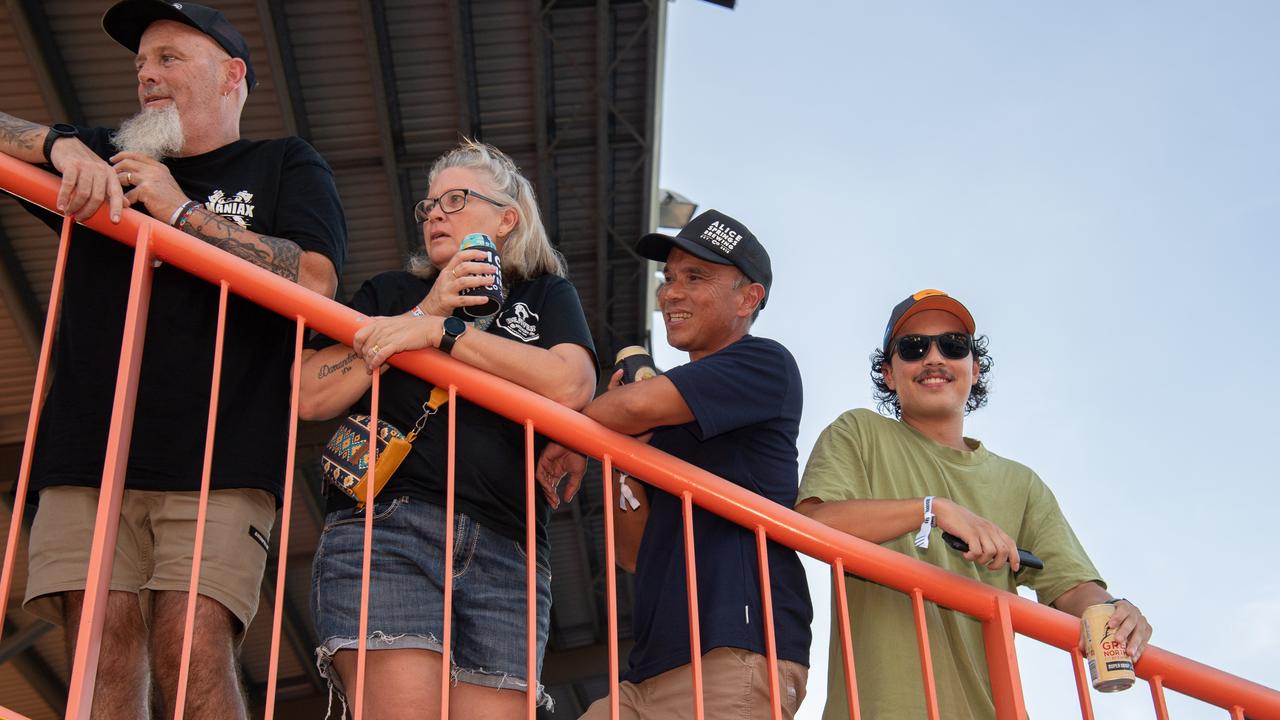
(156, 133)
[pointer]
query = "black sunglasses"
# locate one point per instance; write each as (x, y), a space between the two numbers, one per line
(952, 345)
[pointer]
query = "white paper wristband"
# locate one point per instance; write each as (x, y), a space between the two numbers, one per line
(922, 537)
(625, 496)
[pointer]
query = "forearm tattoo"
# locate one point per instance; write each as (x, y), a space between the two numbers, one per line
(278, 255)
(19, 133)
(342, 367)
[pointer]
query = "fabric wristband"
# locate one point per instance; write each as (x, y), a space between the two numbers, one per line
(625, 495)
(922, 537)
(173, 219)
(417, 311)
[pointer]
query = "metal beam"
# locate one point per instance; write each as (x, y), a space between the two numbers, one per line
(36, 36)
(386, 105)
(544, 122)
(20, 298)
(19, 648)
(23, 639)
(297, 629)
(566, 666)
(657, 49)
(464, 71)
(36, 672)
(604, 172)
(284, 67)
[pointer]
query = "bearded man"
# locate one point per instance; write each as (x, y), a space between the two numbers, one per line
(274, 203)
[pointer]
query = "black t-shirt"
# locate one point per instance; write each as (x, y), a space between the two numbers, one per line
(746, 401)
(489, 478)
(281, 188)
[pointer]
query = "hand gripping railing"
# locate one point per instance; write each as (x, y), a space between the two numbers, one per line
(1001, 613)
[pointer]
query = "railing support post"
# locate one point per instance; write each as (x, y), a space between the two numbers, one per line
(1002, 664)
(107, 523)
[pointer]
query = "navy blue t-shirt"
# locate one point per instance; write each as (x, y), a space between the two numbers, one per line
(746, 401)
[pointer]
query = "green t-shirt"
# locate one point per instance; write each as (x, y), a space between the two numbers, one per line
(862, 456)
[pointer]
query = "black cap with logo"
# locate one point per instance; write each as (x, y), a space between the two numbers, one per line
(128, 19)
(718, 238)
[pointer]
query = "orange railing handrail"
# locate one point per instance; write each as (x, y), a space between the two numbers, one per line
(1163, 668)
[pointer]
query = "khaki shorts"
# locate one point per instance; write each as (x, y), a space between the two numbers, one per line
(735, 684)
(154, 547)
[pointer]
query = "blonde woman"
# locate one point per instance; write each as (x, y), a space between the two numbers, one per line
(539, 340)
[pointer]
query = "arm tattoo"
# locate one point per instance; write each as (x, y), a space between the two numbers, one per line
(278, 255)
(19, 133)
(342, 367)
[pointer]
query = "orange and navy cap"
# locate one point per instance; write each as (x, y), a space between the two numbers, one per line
(921, 301)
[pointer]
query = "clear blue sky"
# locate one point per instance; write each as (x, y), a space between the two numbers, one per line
(1100, 183)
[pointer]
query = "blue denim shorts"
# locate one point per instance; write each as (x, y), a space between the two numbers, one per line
(406, 592)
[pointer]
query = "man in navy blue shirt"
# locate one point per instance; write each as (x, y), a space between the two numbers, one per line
(733, 410)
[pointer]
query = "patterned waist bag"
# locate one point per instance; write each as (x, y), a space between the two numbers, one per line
(345, 459)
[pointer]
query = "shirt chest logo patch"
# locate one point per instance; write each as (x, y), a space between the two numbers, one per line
(520, 322)
(238, 208)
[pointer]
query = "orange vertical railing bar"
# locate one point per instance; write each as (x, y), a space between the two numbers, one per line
(273, 668)
(531, 579)
(846, 639)
(1082, 684)
(446, 658)
(610, 583)
(88, 642)
(33, 420)
(1002, 664)
(691, 582)
(202, 511)
(766, 604)
(362, 638)
(926, 656)
(1157, 697)
(1237, 713)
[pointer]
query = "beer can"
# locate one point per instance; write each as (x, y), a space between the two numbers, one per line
(1110, 667)
(636, 364)
(493, 291)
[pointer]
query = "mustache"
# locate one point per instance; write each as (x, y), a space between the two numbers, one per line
(934, 372)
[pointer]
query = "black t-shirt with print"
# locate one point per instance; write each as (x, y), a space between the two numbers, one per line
(281, 188)
(489, 477)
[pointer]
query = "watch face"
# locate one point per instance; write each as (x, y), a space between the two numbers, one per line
(453, 326)
(64, 129)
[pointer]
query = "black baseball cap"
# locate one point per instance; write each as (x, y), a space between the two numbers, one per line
(718, 238)
(128, 19)
(921, 301)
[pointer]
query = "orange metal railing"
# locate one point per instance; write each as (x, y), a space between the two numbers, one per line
(1001, 613)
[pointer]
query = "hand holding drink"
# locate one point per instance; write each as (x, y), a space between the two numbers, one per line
(492, 291)
(635, 363)
(1110, 667)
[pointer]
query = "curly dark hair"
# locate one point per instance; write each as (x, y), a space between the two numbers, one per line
(887, 400)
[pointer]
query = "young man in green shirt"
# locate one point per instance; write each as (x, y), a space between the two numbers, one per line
(870, 475)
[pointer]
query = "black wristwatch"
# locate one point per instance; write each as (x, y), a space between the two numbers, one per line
(453, 329)
(56, 133)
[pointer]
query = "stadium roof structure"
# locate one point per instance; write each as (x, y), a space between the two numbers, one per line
(569, 88)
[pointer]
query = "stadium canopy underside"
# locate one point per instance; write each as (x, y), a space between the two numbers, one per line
(381, 87)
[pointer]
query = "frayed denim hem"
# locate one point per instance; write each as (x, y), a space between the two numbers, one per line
(379, 640)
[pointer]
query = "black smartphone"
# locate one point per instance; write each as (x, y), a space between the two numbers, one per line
(1026, 557)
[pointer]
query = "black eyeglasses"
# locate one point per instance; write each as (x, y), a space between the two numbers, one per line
(451, 201)
(952, 345)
